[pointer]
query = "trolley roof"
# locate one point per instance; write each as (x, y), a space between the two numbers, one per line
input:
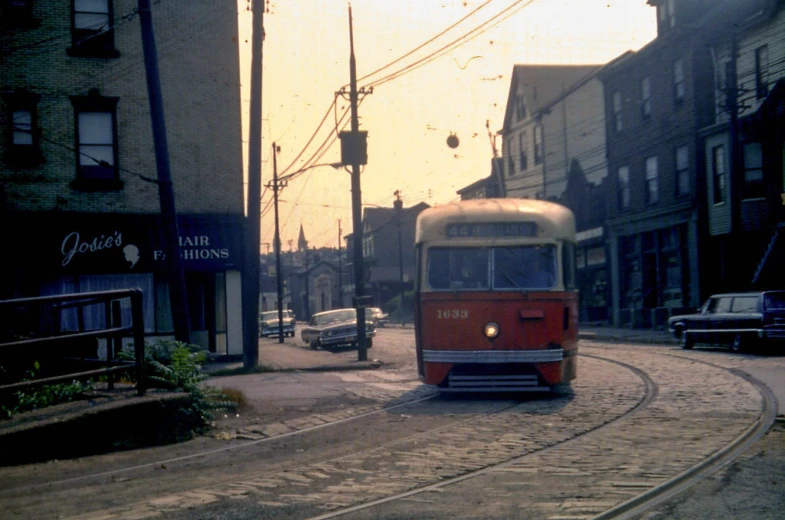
(553, 220)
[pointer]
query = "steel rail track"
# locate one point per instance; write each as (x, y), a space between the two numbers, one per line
(234, 447)
(650, 393)
(688, 478)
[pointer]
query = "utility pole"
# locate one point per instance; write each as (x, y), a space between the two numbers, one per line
(734, 187)
(277, 240)
(354, 152)
(307, 296)
(398, 205)
(250, 290)
(340, 266)
(178, 301)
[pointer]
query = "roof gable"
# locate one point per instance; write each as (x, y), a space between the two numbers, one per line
(540, 85)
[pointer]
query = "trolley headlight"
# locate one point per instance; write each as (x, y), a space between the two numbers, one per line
(491, 330)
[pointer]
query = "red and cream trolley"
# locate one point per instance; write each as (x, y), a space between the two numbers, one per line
(496, 308)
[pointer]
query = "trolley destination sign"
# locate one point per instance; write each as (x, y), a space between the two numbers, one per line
(492, 229)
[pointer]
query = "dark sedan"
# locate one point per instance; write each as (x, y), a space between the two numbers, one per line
(738, 320)
(335, 328)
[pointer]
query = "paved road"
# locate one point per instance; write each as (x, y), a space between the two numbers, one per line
(311, 443)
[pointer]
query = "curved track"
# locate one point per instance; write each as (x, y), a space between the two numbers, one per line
(390, 462)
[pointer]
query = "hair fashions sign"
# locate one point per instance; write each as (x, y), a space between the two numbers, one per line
(135, 243)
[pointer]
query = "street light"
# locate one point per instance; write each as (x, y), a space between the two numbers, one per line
(288, 176)
(277, 184)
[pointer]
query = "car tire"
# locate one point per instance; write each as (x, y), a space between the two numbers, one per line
(314, 345)
(738, 345)
(369, 343)
(686, 341)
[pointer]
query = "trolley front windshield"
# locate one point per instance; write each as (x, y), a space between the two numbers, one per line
(492, 268)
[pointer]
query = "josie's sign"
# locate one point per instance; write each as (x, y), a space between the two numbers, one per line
(136, 244)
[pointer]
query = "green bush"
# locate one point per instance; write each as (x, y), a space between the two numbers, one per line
(44, 396)
(177, 366)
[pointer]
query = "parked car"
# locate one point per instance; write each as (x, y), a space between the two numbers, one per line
(379, 317)
(268, 323)
(738, 320)
(334, 328)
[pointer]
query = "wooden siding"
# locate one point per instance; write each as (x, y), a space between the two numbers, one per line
(771, 34)
(574, 129)
(719, 214)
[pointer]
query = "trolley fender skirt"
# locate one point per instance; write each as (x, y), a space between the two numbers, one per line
(550, 372)
(435, 373)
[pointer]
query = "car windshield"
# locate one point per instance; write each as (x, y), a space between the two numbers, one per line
(273, 315)
(774, 301)
(333, 317)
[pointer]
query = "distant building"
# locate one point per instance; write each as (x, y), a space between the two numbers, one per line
(529, 147)
(383, 255)
(489, 187)
(77, 162)
(656, 101)
(744, 167)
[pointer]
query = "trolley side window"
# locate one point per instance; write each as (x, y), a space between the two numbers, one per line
(568, 252)
(524, 267)
(458, 268)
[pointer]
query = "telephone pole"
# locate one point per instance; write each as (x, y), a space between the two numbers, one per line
(179, 303)
(354, 152)
(250, 290)
(340, 265)
(398, 205)
(276, 186)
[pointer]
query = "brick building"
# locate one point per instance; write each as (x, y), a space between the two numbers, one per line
(77, 162)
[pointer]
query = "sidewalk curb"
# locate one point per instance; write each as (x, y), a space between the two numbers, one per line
(593, 336)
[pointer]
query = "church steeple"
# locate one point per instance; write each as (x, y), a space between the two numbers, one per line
(302, 243)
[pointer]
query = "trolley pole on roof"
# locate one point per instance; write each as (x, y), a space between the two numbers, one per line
(354, 152)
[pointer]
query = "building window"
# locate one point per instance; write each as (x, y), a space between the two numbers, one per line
(92, 30)
(646, 98)
(520, 107)
(22, 129)
(718, 173)
(623, 176)
(652, 181)
(17, 14)
(538, 144)
(522, 151)
(682, 171)
(753, 172)
(678, 82)
(510, 156)
(96, 142)
(762, 71)
(617, 121)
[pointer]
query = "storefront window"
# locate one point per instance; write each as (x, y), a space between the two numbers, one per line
(92, 316)
(595, 256)
(631, 271)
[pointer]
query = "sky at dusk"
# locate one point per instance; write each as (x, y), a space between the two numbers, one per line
(455, 84)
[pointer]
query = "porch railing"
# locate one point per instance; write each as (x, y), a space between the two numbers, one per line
(46, 313)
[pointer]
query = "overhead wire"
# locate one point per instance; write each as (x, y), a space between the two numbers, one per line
(434, 38)
(497, 18)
